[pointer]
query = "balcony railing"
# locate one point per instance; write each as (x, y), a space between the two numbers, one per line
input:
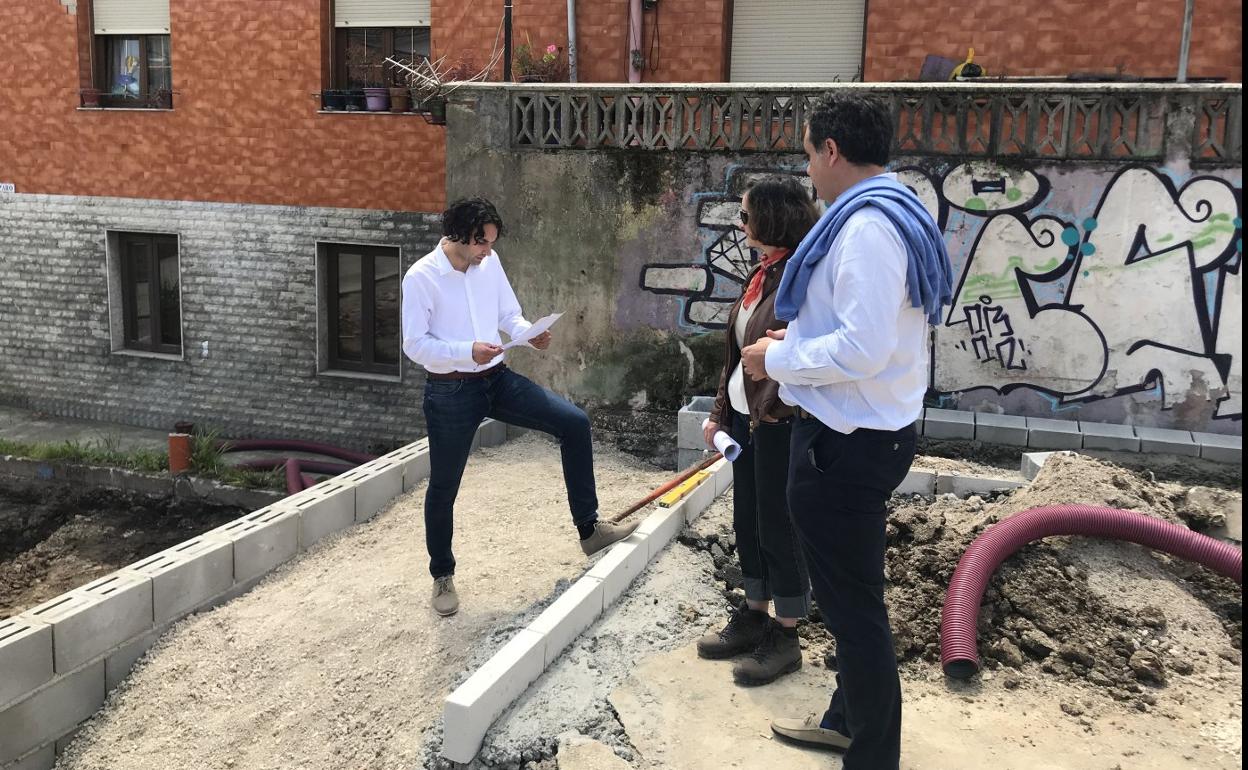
(1034, 121)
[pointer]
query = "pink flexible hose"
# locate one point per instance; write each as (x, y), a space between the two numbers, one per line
(291, 445)
(959, 655)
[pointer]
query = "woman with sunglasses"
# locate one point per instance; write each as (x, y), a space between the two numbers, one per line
(776, 213)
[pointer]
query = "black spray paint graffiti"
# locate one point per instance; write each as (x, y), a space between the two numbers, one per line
(1142, 294)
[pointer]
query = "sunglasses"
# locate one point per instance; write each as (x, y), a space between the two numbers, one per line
(745, 217)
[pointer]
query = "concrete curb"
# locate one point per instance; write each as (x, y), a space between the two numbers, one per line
(490, 690)
(59, 660)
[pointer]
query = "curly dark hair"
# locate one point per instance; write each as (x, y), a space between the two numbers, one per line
(465, 220)
(861, 126)
(781, 211)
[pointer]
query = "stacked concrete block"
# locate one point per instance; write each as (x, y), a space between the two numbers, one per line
(1220, 448)
(376, 484)
(948, 424)
(476, 703)
(1044, 433)
(262, 540)
(1001, 429)
(491, 433)
(1164, 440)
(918, 482)
(965, 486)
(690, 447)
(568, 616)
(50, 712)
(118, 664)
(1109, 436)
(41, 759)
(89, 621)
(414, 458)
(623, 561)
(1032, 462)
(323, 510)
(186, 576)
(25, 656)
(660, 528)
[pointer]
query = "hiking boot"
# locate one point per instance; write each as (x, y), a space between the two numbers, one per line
(745, 629)
(606, 533)
(808, 732)
(776, 655)
(445, 600)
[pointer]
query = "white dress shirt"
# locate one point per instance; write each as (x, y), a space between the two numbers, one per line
(736, 383)
(857, 354)
(445, 311)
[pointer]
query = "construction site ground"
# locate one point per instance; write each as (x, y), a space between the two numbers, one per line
(1097, 655)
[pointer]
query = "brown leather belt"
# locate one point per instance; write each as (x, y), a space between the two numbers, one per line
(495, 369)
(803, 414)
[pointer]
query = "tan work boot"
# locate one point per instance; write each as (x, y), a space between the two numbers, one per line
(445, 600)
(606, 533)
(777, 654)
(807, 731)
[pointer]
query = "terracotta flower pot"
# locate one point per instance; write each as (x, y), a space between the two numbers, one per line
(398, 99)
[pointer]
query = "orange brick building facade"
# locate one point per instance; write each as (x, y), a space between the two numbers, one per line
(246, 126)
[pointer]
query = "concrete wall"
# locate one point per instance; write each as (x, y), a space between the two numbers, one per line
(1091, 290)
(249, 294)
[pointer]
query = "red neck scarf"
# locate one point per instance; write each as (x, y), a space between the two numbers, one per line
(755, 289)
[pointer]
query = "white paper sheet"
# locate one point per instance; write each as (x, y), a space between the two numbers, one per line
(724, 443)
(539, 326)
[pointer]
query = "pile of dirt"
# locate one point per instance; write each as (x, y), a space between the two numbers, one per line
(1054, 607)
(55, 538)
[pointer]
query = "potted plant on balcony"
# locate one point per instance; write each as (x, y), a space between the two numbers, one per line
(366, 67)
(433, 82)
(550, 66)
(90, 97)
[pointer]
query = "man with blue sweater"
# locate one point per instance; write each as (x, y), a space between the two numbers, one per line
(859, 294)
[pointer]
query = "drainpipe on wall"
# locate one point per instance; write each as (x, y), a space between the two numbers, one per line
(571, 41)
(634, 41)
(506, 41)
(1186, 42)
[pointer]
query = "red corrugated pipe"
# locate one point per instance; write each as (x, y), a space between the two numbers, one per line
(959, 655)
(291, 445)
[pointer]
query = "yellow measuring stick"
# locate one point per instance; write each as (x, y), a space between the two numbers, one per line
(671, 498)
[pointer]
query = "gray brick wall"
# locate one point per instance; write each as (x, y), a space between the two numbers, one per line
(248, 278)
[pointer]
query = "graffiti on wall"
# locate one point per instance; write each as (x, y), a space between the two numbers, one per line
(1120, 284)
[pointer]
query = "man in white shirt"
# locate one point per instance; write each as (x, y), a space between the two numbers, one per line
(456, 300)
(859, 295)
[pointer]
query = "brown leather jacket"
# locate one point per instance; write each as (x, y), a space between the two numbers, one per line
(763, 396)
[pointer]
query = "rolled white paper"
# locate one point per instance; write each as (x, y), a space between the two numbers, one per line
(724, 443)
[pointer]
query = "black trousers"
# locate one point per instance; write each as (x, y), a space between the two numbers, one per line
(839, 485)
(771, 558)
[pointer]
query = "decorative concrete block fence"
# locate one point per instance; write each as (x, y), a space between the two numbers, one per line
(60, 659)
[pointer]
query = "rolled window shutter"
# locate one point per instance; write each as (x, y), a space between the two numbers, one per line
(131, 17)
(381, 13)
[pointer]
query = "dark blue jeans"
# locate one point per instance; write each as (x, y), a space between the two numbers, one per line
(839, 485)
(454, 409)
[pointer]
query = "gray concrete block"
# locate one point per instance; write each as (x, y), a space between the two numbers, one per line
(622, 562)
(948, 424)
(492, 432)
(575, 610)
(414, 458)
(1164, 440)
(119, 664)
(965, 486)
(689, 422)
(51, 711)
(89, 621)
(25, 656)
(187, 576)
(323, 510)
(1109, 436)
(43, 758)
(377, 484)
(1032, 462)
(475, 704)
(1001, 429)
(1044, 433)
(262, 540)
(687, 458)
(62, 743)
(1220, 448)
(918, 482)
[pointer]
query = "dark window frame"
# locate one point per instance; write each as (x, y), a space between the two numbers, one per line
(146, 100)
(368, 305)
(341, 74)
(130, 336)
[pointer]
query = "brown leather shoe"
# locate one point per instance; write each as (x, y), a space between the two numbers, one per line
(744, 632)
(776, 655)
